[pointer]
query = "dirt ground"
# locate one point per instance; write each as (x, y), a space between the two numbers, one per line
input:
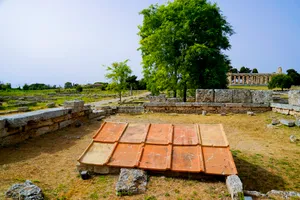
(264, 157)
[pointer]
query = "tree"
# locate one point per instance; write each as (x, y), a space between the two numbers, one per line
(280, 81)
(245, 70)
(68, 85)
(234, 70)
(294, 76)
(118, 73)
(79, 88)
(25, 87)
(132, 83)
(182, 45)
(254, 70)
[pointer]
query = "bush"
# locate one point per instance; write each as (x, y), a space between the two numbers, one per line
(79, 88)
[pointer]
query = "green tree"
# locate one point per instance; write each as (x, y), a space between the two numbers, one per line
(245, 70)
(294, 76)
(118, 73)
(280, 81)
(254, 70)
(132, 83)
(68, 85)
(79, 88)
(234, 70)
(182, 45)
(25, 87)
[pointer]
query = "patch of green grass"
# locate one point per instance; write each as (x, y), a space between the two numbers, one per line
(176, 191)
(150, 198)
(94, 196)
(167, 194)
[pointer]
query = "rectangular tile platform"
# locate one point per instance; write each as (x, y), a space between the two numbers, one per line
(193, 148)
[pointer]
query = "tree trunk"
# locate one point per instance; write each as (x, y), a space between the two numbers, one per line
(131, 90)
(184, 92)
(175, 94)
(120, 94)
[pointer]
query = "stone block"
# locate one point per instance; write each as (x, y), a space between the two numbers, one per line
(76, 105)
(13, 139)
(277, 194)
(23, 109)
(131, 181)
(297, 122)
(64, 124)
(289, 123)
(294, 97)
(204, 95)
(241, 96)
(43, 130)
(223, 96)
(235, 187)
(261, 96)
(22, 119)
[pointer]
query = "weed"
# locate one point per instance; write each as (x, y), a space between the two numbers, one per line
(94, 196)
(150, 198)
(167, 194)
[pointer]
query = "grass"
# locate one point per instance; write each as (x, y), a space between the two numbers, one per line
(59, 97)
(264, 157)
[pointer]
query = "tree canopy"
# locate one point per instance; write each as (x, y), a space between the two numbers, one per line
(118, 73)
(182, 45)
(280, 81)
(294, 76)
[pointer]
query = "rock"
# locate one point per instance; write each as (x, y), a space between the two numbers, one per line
(204, 95)
(254, 193)
(289, 123)
(283, 194)
(223, 114)
(66, 123)
(261, 96)
(297, 122)
(100, 118)
(50, 105)
(275, 121)
(235, 187)
(25, 191)
(78, 123)
(85, 175)
(223, 96)
(204, 112)
(241, 96)
(76, 105)
(131, 181)
(271, 126)
(294, 97)
(293, 139)
(250, 113)
(23, 109)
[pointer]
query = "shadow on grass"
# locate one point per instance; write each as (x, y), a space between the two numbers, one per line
(49, 143)
(257, 178)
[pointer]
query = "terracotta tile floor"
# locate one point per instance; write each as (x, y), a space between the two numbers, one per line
(176, 147)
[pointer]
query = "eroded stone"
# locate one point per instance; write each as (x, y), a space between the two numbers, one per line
(25, 191)
(204, 95)
(235, 187)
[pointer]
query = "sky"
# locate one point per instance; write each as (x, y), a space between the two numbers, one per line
(55, 41)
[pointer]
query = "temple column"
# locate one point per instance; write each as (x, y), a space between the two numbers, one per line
(243, 80)
(234, 80)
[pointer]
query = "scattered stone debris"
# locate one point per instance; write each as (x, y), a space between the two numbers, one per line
(78, 123)
(85, 175)
(131, 181)
(223, 114)
(250, 113)
(204, 112)
(23, 109)
(50, 105)
(283, 194)
(25, 191)
(294, 139)
(289, 123)
(254, 193)
(235, 187)
(275, 122)
(297, 122)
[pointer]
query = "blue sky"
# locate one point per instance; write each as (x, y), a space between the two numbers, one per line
(55, 41)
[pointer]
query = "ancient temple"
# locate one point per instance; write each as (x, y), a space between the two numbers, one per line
(251, 78)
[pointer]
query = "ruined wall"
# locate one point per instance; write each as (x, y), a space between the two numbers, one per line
(234, 96)
(19, 127)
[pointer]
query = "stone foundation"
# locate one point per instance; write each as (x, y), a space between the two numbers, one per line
(286, 109)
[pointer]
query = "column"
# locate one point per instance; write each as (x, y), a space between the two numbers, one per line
(234, 80)
(243, 80)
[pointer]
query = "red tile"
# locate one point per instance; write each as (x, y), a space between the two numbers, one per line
(110, 132)
(218, 160)
(156, 157)
(126, 155)
(160, 134)
(135, 133)
(187, 159)
(185, 134)
(213, 135)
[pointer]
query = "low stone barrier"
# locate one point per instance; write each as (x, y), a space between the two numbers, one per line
(198, 107)
(286, 109)
(19, 127)
(130, 109)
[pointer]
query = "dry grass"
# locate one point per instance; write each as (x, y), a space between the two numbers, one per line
(264, 157)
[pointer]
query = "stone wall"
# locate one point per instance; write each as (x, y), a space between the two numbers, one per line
(19, 127)
(130, 109)
(286, 109)
(294, 97)
(198, 107)
(233, 96)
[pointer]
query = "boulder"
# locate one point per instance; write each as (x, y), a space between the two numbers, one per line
(131, 181)
(235, 187)
(293, 139)
(204, 95)
(25, 191)
(289, 123)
